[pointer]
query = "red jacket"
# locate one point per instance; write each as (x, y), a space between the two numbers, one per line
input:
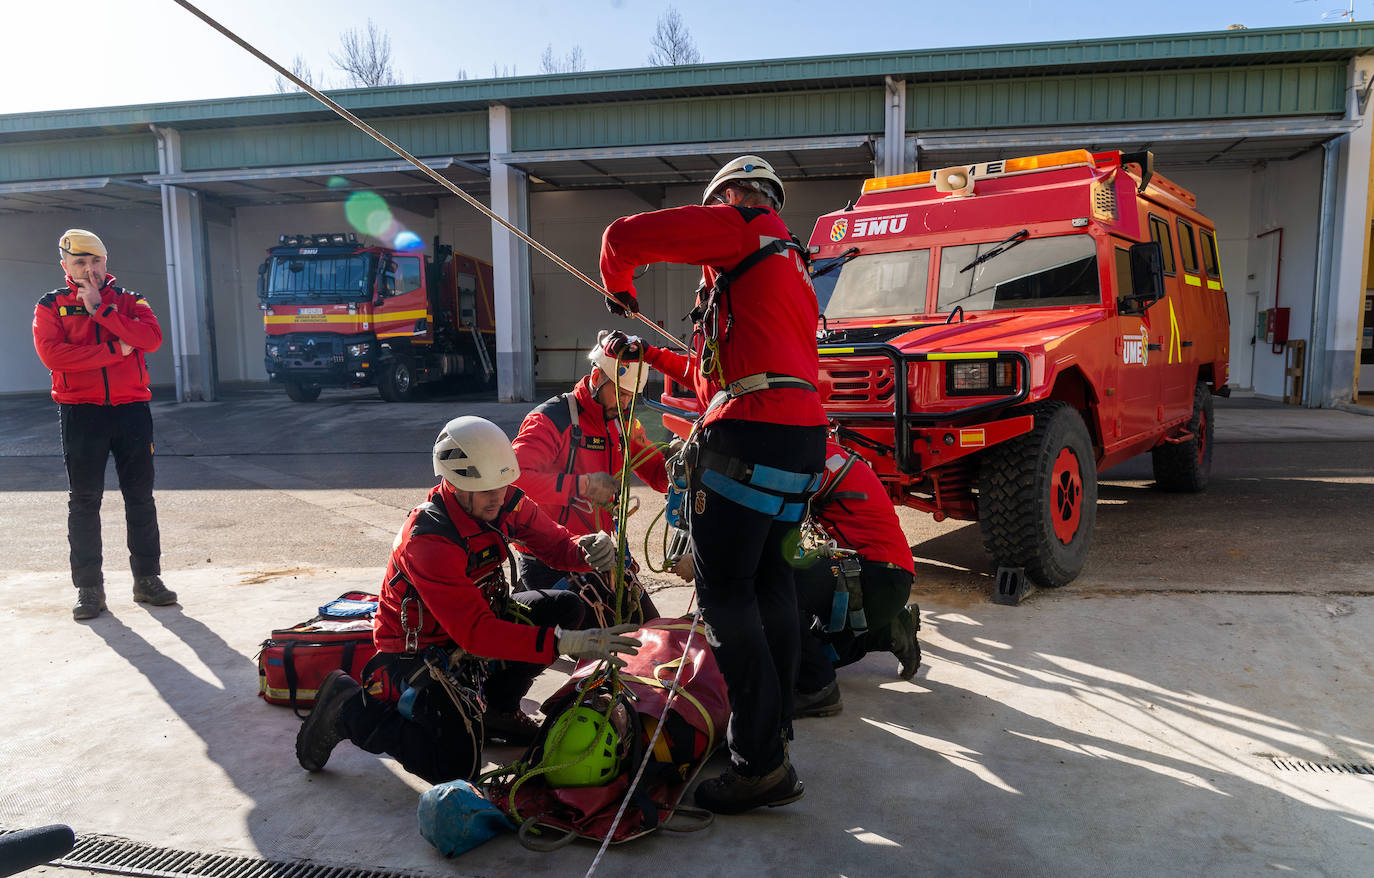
(549, 464)
(446, 556)
(82, 349)
(773, 305)
(868, 524)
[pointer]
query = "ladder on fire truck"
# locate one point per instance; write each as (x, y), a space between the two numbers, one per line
(487, 369)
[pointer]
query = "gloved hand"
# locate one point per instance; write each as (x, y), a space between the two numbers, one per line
(597, 487)
(599, 643)
(623, 304)
(625, 347)
(598, 550)
(674, 447)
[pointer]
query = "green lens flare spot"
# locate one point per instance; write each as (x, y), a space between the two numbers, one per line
(368, 213)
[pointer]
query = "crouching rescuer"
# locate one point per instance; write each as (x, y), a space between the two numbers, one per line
(446, 609)
(755, 454)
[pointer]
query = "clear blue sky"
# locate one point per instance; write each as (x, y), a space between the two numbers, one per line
(94, 53)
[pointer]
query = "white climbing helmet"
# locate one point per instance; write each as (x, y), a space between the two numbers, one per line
(473, 454)
(748, 168)
(628, 374)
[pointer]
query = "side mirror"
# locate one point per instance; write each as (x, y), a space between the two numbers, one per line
(262, 280)
(1147, 279)
(386, 279)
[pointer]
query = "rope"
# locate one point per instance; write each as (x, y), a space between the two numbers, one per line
(419, 165)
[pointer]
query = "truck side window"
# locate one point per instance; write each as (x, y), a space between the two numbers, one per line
(1187, 247)
(1209, 253)
(1125, 284)
(1159, 233)
(407, 275)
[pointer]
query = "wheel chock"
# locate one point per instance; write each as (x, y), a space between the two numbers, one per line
(1012, 586)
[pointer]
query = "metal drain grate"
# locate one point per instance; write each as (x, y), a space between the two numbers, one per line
(1322, 767)
(100, 853)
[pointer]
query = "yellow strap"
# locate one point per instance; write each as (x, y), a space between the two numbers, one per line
(660, 684)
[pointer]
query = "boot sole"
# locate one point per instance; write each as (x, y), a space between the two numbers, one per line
(82, 617)
(308, 727)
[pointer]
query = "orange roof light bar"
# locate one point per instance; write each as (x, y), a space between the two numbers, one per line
(987, 169)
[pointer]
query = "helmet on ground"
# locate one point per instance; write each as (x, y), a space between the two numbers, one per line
(582, 748)
(629, 375)
(747, 169)
(473, 454)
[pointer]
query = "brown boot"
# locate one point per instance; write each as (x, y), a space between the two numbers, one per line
(734, 793)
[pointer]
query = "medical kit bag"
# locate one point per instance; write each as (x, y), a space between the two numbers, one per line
(294, 661)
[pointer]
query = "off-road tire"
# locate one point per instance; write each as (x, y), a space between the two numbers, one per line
(397, 381)
(299, 392)
(1037, 496)
(1183, 467)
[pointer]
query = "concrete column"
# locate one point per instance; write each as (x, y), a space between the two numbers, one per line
(1336, 307)
(894, 159)
(190, 323)
(510, 258)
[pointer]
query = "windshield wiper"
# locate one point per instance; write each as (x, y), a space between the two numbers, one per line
(998, 249)
(836, 262)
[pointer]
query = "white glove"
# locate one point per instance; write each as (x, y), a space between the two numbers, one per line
(599, 643)
(598, 549)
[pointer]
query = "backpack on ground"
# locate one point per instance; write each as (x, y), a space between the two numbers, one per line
(294, 661)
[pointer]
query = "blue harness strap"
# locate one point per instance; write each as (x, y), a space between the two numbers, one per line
(755, 498)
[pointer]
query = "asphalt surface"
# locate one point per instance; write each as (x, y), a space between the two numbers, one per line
(1143, 720)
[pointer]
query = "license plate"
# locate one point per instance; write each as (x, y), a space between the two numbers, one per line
(311, 311)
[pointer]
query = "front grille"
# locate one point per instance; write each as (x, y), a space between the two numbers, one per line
(857, 384)
(101, 853)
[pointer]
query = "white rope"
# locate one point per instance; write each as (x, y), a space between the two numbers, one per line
(419, 165)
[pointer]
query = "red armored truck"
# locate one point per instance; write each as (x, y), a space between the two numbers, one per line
(994, 335)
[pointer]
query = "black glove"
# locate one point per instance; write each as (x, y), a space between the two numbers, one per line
(622, 304)
(621, 346)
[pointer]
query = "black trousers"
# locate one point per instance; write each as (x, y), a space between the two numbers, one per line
(90, 434)
(886, 591)
(536, 574)
(438, 741)
(745, 587)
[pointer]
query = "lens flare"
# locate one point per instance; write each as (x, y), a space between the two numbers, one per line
(337, 182)
(407, 240)
(367, 212)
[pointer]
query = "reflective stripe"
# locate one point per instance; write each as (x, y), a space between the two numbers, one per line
(1213, 285)
(1192, 281)
(836, 350)
(975, 355)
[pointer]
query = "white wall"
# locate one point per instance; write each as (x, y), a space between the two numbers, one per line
(28, 269)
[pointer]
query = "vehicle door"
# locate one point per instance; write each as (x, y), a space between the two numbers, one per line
(1139, 382)
(403, 309)
(1185, 318)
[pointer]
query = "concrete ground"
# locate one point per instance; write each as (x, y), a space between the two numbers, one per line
(1144, 720)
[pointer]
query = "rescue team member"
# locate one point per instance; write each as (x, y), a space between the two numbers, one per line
(853, 508)
(94, 337)
(757, 454)
(443, 585)
(570, 450)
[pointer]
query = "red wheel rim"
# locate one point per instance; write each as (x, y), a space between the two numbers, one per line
(1066, 495)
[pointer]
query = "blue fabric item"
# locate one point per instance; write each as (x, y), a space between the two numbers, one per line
(744, 495)
(831, 654)
(839, 609)
(858, 622)
(791, 512)
(780, 481)
(405, 705)
(341, 608)
(456, 817)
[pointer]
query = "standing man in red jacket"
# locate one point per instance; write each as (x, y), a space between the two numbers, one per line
(94, 336)
(570, 450)
(445, 603)
(756, 454)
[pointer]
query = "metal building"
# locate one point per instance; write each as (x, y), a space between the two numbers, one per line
(1266, 126)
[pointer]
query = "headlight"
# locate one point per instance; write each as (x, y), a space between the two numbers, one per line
(982, 377)
(359, 350)
(273, 351)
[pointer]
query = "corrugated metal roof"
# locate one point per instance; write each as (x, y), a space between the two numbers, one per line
(1212, 48)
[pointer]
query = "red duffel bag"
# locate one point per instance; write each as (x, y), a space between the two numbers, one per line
(294, 661)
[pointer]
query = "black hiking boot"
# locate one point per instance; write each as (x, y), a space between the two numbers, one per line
(90, 602)
(824, 702)
(515, 727)
(904, 644)
(734, 793)
(320, 732)
(150, 590)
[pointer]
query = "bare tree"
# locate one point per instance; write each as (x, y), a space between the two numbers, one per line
(301, 70)
(509, 70)
(365, 58)
(672, 43)
(574, 61)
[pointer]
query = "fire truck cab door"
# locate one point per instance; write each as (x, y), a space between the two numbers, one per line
(1139, 385)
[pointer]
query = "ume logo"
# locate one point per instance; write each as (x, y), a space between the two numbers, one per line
(1135, 348)
(879, 225)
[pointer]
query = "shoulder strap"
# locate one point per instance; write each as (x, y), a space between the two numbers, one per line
(824, 495)
(433, 520)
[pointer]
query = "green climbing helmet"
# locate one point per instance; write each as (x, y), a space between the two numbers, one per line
(583, 747)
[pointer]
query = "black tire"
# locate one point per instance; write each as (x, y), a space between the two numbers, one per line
(1183, 467)
(397, 381)
(299, 392)
(1037, 497)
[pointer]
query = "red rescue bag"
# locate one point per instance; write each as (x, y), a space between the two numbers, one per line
(294, 661)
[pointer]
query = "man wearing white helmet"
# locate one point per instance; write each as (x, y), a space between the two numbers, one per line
(756, 455)
(445, 603)
(570, 451)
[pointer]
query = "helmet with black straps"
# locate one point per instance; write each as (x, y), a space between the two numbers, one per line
(473, 454)
(748, 169)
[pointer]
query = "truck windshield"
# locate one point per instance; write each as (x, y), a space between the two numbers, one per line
(875, 285)
(1038, 273)
(314, 278)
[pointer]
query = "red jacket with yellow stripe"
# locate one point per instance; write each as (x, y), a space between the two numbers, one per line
(552, 455)
(449, 565)
(82, 349)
